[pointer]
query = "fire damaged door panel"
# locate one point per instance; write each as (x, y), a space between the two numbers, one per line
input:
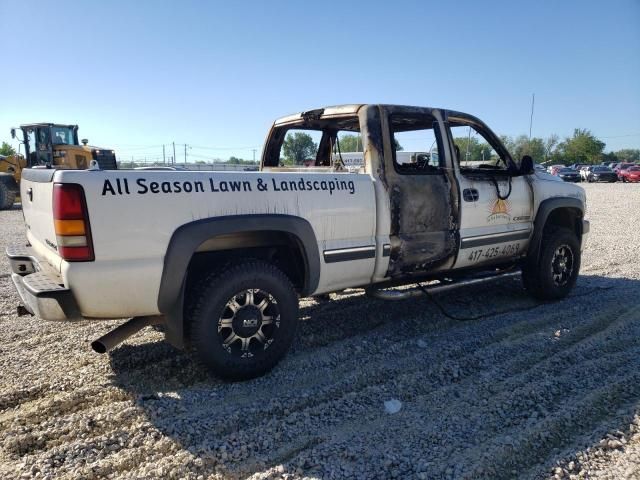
(423, 221)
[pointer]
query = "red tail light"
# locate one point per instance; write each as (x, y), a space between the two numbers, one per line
(71, 221)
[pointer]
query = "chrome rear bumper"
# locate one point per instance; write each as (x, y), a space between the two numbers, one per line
(42, 291)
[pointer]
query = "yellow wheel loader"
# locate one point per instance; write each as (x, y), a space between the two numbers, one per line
(48, 145)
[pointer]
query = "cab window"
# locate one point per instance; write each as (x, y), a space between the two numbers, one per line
(473, 151)
(317, 143)
(415, 144)
(300, 148)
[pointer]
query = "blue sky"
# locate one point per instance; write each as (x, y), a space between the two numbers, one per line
(214, 75)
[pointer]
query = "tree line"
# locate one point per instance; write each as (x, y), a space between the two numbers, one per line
(581, 147)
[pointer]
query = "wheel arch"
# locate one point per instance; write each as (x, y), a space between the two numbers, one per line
(187, 239)
(558, 211)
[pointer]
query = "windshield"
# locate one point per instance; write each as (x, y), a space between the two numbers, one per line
(62, 136)
(566, 170)
(601, 169)
(634, 169)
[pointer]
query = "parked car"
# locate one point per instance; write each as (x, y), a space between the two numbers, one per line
(539, 168)
(569, 175)
(622, 166)
(584, 172)
(601, 174)
(578, 166)
(553, 169)
(631, 174)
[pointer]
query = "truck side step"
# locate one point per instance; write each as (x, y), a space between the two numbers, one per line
(442, 286)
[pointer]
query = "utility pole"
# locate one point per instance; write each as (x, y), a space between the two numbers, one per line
(164, 158)
(533, 100)
(254, 155)
(185, 153)
(174, 152)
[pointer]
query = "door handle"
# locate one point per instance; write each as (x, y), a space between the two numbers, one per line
(30, 194)
(470, 195)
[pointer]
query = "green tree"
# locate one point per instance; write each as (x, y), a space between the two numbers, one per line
(472, 150)
(610, 157)
(582, 147)
(350, 143)
(550, 145)
(628, 155)
(534, 147)
(298, 147)
(353, 143)
(7, 149)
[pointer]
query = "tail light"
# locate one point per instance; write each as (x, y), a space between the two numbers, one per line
(71, 222)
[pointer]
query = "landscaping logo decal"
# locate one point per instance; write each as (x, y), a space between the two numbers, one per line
(500, 210)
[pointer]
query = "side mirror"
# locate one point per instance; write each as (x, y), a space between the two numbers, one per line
(13, 133)
(84, 141)
(526, 165)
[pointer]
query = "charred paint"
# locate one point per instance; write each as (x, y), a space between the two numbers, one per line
(423, 208)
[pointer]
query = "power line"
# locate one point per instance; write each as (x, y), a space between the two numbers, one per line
(225, 148)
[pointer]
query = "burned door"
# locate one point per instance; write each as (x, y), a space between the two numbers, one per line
(423, 227)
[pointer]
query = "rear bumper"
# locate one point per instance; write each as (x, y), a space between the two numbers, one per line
(41, 290)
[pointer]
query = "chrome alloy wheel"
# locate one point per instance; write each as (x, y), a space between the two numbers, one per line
(248, 322)
(562, 265)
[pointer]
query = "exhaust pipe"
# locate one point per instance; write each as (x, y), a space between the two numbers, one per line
(442, 287)
(124, 331)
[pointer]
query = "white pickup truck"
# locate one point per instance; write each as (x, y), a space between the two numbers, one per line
(221, 258)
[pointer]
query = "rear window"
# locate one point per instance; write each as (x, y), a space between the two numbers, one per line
(314, 142)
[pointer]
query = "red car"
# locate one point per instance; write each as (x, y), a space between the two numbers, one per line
(621, 166)
(630, 174)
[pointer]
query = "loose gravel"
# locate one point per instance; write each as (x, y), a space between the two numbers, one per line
(541, 391)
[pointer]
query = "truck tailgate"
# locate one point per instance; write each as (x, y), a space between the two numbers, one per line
(36, 192)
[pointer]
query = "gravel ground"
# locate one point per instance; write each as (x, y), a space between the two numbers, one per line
(529, 391)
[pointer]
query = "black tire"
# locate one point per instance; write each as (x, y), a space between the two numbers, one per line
(243, 319)
(7, 196)
(556, 272)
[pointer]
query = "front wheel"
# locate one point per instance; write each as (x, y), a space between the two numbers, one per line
(556, 272)
(243, 319)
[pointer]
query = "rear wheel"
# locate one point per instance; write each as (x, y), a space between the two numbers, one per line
(556, 272)
(7, 196)
(244, 319)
